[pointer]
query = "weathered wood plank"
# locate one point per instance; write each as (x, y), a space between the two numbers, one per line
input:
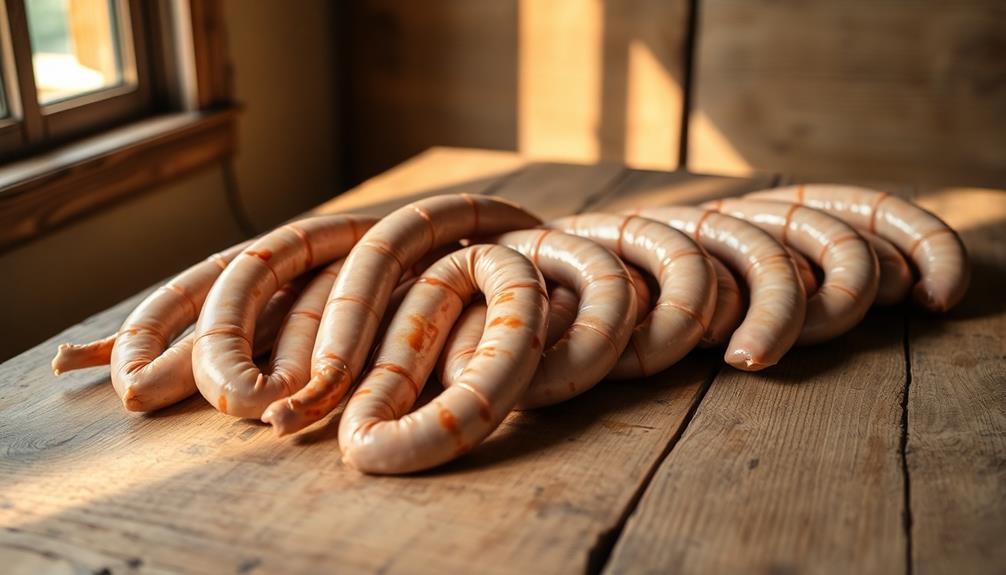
(793, 469)
(552, 190)
(957, 403)
(835, 89)
(644, 188)
(85, 486)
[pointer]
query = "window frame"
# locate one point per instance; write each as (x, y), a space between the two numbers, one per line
(183, 120)
(46, 125)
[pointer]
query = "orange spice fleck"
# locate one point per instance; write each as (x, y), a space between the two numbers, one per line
(421, 331)
(507, 320)
(264, 255)
(505, 297)
(449, 422)
(222, 403)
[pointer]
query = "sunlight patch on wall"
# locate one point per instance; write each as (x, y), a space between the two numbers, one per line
(652, 111)
(715, 152)
(559, 78)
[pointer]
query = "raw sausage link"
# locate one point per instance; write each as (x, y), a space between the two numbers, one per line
(604, 318)
(290, 363)
(377, 433)
(851, 270)
(778, 303)
(803, 269)
(274, 314)
(687, 287)
(562, 307)
(729, 307)
(222, 360)
(563, 303)
(644, 298)
(463, 340)
(935, 248)
(361, 293)
(895, 275)
(147, 372)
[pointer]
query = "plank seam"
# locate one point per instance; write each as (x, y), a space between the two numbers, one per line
(600, 553)
(907, 503)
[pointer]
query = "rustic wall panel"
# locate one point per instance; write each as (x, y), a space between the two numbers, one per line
(890, 89)
(576, 80)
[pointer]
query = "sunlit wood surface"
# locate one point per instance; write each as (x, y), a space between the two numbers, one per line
(880, 452)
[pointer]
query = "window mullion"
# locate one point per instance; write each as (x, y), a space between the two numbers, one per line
(31, 112)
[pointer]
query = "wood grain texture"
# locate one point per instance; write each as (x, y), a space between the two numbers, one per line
(552, 190)
(645, 188)
(86, 487)
(793, 469)
(909, 92)
(957, 402)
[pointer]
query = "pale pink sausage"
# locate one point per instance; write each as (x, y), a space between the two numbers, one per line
(729, 307)
(463, 340)
(563, 303)
(803, 269)
(895, 275)
(222, 362)
(851, 270)
(937, 251)
(644, 298)
(148, 372)
(361, 293)
(290, 362)
(605, 314)
(274, 314)
(377, 434)
(777, 302)
(562, 307)
(687, 287)
(153, 388)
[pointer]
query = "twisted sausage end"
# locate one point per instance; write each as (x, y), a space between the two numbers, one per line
(744, 360)
(71, 356)
(281, 417)
(131, 402)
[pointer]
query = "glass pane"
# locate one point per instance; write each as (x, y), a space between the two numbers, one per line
(75, 47)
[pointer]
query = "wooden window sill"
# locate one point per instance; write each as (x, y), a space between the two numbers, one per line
(41, 193)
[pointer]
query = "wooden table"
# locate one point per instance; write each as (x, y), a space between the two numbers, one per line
(883, 451)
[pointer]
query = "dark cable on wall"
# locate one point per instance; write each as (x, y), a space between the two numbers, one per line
(237, 207)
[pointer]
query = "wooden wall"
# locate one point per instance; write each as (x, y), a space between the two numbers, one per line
(889, 89)
(577, 80)
(880, 89)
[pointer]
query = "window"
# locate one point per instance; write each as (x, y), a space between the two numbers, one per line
(100, 99)
(70, 68)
